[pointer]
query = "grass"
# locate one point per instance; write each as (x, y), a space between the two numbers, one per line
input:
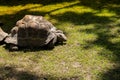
(92, 51)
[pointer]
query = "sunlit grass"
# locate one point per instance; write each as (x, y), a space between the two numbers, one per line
(12, 10)
(91, 49)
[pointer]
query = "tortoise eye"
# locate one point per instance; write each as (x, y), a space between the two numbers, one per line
(19, 22)
(22, 25)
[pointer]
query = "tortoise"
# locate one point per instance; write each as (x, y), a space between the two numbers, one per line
(32, 31)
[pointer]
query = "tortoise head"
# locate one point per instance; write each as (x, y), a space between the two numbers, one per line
(61, 37)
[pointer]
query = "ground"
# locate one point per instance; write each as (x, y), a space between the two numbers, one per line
(92, 51)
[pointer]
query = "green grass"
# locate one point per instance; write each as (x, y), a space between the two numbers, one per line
(92, 51)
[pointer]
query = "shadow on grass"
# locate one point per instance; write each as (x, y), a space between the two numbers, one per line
(81, 19)
(112, 74)
(24, 2)
(99, 4)
(12, 73)
(111, 5)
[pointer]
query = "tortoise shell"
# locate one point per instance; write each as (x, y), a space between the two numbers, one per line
(33, 31)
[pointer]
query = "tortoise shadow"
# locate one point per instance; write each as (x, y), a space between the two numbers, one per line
(31, 49)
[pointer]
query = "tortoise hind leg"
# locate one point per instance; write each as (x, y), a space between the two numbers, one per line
(51, 44)
(13, 47)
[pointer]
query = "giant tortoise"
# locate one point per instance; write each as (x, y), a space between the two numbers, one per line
(32, 31)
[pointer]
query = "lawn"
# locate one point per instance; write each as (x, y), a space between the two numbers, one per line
(92, 51)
